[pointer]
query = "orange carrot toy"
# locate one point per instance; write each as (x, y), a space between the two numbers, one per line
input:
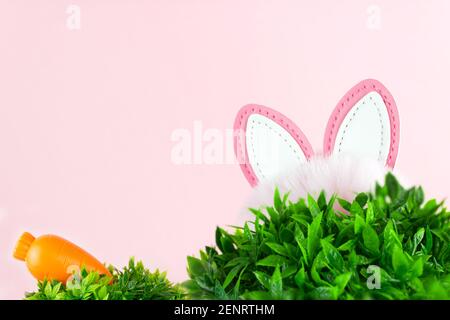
(52, 257)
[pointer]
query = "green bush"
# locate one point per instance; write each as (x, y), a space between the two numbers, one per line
(134, 282)
(385, 245)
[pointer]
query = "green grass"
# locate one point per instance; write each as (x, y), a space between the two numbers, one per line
(133, 282)
(387, 245)
(390, 244)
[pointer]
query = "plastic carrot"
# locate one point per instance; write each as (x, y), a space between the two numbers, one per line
(52, 257)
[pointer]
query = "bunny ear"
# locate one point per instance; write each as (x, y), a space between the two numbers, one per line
(267, 143)
(365, 122)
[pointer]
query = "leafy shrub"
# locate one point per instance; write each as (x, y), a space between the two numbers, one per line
(134, 282)
(385, 245)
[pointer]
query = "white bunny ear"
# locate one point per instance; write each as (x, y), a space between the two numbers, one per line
(365, 123)
(267, 143)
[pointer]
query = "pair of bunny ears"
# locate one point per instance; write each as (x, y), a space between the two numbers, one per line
(364, 123)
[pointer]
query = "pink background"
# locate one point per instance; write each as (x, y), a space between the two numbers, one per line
(86, 116)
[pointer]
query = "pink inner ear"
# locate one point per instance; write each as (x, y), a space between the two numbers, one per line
(346, 104)
(240, 145)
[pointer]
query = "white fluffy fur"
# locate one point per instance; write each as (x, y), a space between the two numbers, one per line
(343, 175)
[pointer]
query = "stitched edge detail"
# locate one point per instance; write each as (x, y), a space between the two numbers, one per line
(241, 150)
(272, 129)
(349, 98)
(353, 115)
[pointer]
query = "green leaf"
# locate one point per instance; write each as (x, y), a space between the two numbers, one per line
(48, 290)
(300, 219)
(219, 291)
(322, 201)
(347, 246)
(301, 242)
(274, 216)
(418, 237)
(218, 238)
(259, 214)
(399, 263)
(288, 271)
(356, 209)
(276, 284)
(362, 198)
(277, 201)
(195, 266)
(300, 278)
(277, 248)
(56, 289)
(89, 279)
(370, 238)
(332, 256)
(419, 196)
(258, 295)
(345, 204)
(370, 215)
(316, 267)
(428, 240)
(341, 282)
(417, 268)
(359, 224)
(313, 206)
(263, 279)
(271, 261)
(314, 235)
(102, 293)
(286, 235)
(323, 293)
(231, 275)
(391, 238)
(227, 243)
(239, 260)
(400, 200)
(393, 186)
(235, 293)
